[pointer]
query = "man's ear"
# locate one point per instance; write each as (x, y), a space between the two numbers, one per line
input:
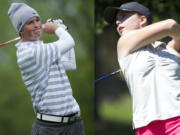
(20, 33)
(143, 21)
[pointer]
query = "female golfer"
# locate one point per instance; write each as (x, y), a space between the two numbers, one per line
(43, 69)
(151, 68)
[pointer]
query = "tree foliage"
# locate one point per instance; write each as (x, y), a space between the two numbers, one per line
(161, 9)
(106, 37)
(16, 112)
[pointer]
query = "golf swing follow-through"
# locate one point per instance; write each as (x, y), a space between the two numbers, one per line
(43, 69)
(57, 21)
(151, 68)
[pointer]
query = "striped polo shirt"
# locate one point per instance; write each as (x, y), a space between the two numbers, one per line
(43, 72)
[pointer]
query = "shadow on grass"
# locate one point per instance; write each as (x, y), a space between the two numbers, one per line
(111, 128)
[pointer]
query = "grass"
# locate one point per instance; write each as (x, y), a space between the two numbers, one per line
(119, 110)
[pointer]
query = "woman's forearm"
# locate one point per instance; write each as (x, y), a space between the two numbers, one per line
(144, 36)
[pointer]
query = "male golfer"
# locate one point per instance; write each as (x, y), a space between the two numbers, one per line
(151, 68)
(43, 69)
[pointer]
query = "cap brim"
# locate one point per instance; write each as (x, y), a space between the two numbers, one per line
(110, 14)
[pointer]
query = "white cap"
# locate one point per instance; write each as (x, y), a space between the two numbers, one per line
(20, 13)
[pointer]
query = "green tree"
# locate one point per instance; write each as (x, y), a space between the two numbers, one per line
(16, 112)
(112, 102)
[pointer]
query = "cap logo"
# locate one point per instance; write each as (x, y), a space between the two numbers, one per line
(19, 25)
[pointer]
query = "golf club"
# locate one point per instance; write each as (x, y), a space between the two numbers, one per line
(57, 21)
(106, 76)
(10, 41)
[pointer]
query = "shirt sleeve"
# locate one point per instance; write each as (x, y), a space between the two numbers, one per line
(46, 54)
(65, 42)
(68, 60)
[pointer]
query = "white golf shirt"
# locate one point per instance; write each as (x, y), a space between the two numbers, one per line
(152, 74)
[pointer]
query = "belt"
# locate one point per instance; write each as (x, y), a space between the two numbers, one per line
(59, 119)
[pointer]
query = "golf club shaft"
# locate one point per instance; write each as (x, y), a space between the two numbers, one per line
(58, 21)
(108, 75)
(10, 41)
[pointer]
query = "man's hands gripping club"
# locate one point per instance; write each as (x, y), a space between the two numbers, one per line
(51, 25)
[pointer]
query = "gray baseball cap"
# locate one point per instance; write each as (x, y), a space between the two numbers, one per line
(20, 13)
(110, 12)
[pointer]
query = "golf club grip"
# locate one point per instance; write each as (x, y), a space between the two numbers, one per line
(108, 75)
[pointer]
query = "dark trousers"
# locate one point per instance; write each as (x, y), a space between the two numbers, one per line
(51, 128)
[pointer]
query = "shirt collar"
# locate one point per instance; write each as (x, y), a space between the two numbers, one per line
(28, 43)
(158, 44)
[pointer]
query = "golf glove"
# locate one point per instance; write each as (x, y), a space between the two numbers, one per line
(59, 22)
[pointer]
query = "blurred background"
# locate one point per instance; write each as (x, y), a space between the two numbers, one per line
(113, 111)
(16, 112)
